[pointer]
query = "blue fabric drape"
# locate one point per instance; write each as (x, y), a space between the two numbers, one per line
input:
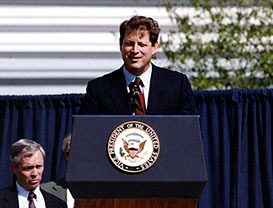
(236, 127)
(45, 119)
(237, 138)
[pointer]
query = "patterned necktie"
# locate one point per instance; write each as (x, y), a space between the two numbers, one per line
(141, 111)
(30, 198)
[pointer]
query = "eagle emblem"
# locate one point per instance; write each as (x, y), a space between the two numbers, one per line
(133, 146)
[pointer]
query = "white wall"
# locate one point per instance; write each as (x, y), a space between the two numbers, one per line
(57, 49)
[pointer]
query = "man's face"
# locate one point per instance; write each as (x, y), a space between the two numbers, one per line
(29, 170)
(137, 51)
(66, 152)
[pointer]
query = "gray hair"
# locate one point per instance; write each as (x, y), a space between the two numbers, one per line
(66, 140)
(24, 147)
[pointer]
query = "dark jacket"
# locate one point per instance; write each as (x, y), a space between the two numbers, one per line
(9, 199)
(56, 188)
(170, 94)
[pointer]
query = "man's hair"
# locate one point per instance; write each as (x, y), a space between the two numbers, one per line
(140, 23)
(24, 147)
(66, 140)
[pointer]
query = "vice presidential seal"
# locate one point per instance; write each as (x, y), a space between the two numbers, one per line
(133, 146)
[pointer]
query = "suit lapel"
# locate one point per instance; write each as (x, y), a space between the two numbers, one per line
(57, 189)
(11, 197)
(156, 93)
(119, 93)
(49, 201)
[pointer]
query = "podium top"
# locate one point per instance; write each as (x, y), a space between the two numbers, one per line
(179, 169)
(137, 116)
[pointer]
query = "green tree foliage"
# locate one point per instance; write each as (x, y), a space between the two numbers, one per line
(220, 46)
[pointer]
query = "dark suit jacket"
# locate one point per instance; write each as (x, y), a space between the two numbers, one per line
(170, 94)
(9, 199)
(56, 188)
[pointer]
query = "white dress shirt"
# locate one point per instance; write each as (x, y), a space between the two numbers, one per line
(23, 195)
(146, 80)
(70, 201)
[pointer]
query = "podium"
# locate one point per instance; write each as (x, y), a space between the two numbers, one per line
(175, 179)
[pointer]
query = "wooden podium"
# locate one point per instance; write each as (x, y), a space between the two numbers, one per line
(176, 180)
(137, 203)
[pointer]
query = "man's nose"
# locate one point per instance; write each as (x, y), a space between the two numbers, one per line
(34, 172)
(135, 48)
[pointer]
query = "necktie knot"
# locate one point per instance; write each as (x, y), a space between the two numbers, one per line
(138, 81)
(31, 195)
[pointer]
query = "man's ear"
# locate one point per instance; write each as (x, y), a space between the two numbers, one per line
(13, 167)
(120, 45)
(155, 46)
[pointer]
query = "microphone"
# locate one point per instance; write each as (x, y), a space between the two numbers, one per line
(134, 98)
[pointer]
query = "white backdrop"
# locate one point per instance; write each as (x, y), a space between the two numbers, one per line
(56, 49)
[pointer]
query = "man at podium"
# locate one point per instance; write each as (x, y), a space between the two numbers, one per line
(138, 86)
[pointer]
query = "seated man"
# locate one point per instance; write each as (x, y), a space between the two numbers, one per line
(59, 188)
(27, 163)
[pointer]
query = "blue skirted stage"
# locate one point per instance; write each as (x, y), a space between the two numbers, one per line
(236, 127)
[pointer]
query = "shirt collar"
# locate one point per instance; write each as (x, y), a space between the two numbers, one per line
(24, 192)
(145, 77)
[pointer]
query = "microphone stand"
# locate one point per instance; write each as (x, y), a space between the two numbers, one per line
(134, 98)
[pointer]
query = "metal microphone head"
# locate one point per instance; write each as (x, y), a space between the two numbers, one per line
(134, 91)
(135, 94)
